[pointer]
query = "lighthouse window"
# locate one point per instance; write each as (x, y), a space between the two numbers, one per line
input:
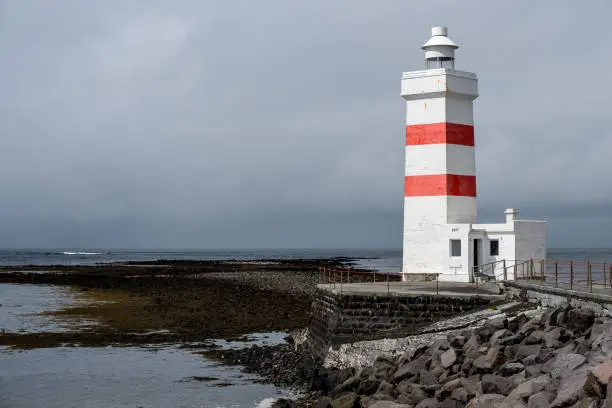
(494, 246)
(455, 247)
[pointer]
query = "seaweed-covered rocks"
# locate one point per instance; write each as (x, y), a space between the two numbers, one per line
(562, 358)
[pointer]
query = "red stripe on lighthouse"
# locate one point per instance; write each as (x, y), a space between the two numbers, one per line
(438, 133)
(440, 185)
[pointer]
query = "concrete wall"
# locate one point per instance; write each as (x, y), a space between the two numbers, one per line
(530, 239)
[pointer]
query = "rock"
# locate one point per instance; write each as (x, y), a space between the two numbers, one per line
(431, 376)
(525, 350)
(517, 379)
(486, 401)
(324, 402)
(380, 397)
(285, 403)
(540, 399)
(517, 322)
(440, 344)
(530, 387)
(388, 404)
(499, 335)
(603, 372)
(514, 339)
(586, 403)
(386, 388)
(576, 385)
(471, 347)
(562, 364)
(496, 323)
(368, 386)
(448, 358)
(482, 366)
(561, 318)
(603, 340)
(410, 393)
(451, 403)
(608, 400)
(536, 337)
(509, 369)
(533, 371)
(580, 319)
(495, 384)
(348, 400)
(381, 368)
(350, 384)
(411, 368)
(460, 394)
(555, 337)
(457, 341)
(428, 403)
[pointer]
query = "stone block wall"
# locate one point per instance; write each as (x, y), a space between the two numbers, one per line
(339, 318)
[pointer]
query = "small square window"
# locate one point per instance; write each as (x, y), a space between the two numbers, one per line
(494, 247)
(455, 247)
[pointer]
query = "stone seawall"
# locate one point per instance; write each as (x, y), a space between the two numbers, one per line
(340, 318)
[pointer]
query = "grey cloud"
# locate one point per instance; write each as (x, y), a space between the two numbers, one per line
(216, 124)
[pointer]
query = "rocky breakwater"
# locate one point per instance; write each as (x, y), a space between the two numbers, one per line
(562, 358)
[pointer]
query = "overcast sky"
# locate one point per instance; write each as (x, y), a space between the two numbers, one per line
(276, 123)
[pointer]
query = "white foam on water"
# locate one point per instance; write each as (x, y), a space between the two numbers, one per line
(81, 253)
(266, 403)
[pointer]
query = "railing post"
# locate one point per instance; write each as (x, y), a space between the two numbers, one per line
(541, 273)
(374, 274)
(556, 273)
(590, 276)
(571, 275)
(505, 270)
(515, 270)
(605, 276)
(388, 291)
(437, 276)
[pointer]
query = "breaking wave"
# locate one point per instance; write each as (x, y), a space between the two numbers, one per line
(82, 253)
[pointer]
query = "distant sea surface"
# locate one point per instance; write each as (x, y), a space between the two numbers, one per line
(381, 259)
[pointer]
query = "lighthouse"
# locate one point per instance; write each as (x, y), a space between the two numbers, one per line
(440, 212)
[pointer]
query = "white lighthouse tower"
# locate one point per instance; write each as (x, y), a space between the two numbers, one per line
(440, 234)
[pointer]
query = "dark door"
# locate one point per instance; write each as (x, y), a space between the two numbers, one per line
(476, 260)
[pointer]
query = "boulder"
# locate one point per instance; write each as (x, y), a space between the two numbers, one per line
(411, 368)
(388, 404)
(410, 393)
(377, 397)
(555, 337)
(602, 340)
(386, 388)
(457, 341)
(529, 387)
(285, 403)
(460, 394)
(324, 402)
(471, 347)
(368, 386)
(486, 401)
(562, 364)
(509, 369)
(499, 335)
(495, 384)
(485, 364)
(430, 376)
(580, 319)
(525, 350)
(517, 322)
(451, 403)
(448, 358)
(586, 403)
(603, 372)
(348, 400)
(350, 384)
(540, 399)
(533, 371)
(509, 340)
(577, 385)
(536, 337)
(496, 323)
(428, 403)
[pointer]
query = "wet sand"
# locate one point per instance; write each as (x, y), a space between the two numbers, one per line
(173, 301)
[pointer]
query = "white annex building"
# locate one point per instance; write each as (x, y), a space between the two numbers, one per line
(441, 233)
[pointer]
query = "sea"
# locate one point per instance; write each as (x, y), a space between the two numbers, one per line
(164, 376)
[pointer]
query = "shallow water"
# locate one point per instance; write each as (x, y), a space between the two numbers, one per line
(100, 377)
(20, 304)
(123, 377)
